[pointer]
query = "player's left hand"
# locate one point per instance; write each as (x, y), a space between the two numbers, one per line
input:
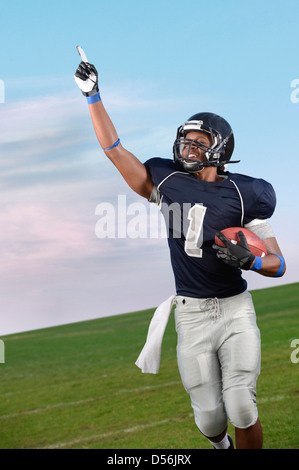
(238, 256)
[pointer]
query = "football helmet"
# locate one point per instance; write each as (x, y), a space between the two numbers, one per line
(218, 153)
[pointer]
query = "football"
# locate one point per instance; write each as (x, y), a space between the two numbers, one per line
(255, 244)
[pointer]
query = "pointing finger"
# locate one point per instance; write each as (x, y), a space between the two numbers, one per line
(82, 54)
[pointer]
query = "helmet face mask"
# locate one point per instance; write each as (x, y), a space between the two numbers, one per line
(189, 152)
(221, 139)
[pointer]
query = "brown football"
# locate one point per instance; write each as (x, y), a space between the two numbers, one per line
(255, 244)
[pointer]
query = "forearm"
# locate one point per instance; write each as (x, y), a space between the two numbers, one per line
(86, 77)
(239, 255)
(273, 264)
(103, 126)
(133, 171)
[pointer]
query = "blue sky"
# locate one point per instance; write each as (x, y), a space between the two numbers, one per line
(159, 62)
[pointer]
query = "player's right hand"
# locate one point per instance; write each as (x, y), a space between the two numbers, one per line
(86, 77)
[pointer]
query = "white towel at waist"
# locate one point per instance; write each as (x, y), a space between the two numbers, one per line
(149, 358)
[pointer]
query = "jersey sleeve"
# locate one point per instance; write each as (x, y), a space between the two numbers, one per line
(260, 201)
(160, 168)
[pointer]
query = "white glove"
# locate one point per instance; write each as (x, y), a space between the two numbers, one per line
(86, 76)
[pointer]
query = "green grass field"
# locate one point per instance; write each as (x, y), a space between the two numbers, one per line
(77, 386)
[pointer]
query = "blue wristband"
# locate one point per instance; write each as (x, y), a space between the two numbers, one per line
(281, 267)
(257, 264)
(94, 98)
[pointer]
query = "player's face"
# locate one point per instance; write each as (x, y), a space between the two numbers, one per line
(193, 152)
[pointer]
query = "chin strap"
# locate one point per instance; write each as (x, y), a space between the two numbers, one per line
(201, 165)
(218, 164)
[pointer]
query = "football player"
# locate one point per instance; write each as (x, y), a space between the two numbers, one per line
(218, 348)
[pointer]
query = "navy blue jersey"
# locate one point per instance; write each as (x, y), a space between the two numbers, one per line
(194, 210)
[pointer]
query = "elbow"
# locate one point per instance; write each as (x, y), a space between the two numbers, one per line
(282, 267)
(283, 273)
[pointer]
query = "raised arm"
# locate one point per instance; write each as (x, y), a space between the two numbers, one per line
(133, 171)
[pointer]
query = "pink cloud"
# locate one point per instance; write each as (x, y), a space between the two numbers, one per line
(41, 231)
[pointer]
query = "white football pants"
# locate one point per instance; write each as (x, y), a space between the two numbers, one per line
(218, 354)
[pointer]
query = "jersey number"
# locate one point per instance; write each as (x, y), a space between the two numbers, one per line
(194, 236)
